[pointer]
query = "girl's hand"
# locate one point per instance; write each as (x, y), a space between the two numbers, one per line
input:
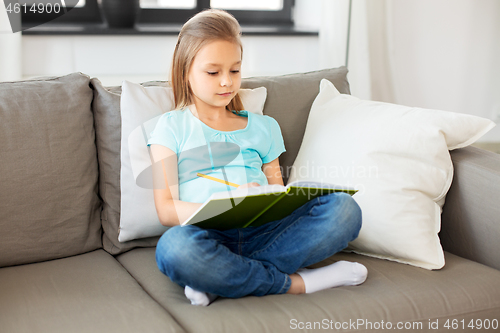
(254, 184)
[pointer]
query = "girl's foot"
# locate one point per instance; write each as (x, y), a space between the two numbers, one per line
(341, 273)
(198, 297)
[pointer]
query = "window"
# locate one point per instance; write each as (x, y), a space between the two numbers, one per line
(247, 12)
(222, 4)
(169, 4)
(247, 5)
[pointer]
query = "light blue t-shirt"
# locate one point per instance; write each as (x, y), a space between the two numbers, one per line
(236, 156)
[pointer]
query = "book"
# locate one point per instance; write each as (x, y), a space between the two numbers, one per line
(256, 206)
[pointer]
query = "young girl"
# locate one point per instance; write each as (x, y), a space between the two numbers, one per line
(268, 259)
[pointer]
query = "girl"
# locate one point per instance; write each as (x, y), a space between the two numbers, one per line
(268, 259)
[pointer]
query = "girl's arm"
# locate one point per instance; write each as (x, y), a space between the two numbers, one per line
(171, 211)
(272, 170)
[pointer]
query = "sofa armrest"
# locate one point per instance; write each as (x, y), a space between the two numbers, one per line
(470, 225)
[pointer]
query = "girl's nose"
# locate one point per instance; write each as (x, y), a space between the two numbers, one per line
(226, 80)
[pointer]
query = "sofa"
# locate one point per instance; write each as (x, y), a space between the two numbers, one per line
(64, 270)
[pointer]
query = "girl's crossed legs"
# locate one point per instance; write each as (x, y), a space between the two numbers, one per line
(259, 260)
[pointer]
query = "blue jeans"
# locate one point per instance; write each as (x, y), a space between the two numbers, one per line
(258, 260)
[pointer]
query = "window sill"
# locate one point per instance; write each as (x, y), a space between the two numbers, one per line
(159, 29)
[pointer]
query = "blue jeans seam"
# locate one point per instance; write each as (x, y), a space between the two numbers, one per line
(239, 243)
(283, 231)
(259, 235)
(287, 277)
(274, 240)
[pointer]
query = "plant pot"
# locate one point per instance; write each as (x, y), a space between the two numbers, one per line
(120, 13)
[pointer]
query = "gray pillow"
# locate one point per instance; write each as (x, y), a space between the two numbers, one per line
(289, 99)
(106, 107)
(49, 201)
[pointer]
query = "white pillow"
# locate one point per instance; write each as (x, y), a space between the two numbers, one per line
(141, 107)
(398, 158)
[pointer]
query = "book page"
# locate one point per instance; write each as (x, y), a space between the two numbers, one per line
(249, 191)
(234, 209)
(313, 184)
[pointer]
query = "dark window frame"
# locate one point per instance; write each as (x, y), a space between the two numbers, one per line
(90, 13)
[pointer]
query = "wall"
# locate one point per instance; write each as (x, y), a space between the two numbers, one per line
(443, 54)
(141, 58)
(10, 48)
(446, 56)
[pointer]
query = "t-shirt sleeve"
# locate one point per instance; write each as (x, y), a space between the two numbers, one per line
(277, 144)
(164, 133)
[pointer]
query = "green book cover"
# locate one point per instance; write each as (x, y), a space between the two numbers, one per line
(256, 206)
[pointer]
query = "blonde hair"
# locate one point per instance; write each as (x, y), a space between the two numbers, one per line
(203, 28)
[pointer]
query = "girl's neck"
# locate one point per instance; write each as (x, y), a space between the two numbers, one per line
(212, 114)
(220, 120)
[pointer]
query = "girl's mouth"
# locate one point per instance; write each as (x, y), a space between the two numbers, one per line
(226, 94)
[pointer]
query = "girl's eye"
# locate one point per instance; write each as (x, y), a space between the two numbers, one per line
(212, 73)
(235, 71)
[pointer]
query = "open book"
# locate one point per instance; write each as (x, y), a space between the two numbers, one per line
(256, 206)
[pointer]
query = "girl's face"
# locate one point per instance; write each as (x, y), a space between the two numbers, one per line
(214, 75)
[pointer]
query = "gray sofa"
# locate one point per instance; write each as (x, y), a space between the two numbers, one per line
(63, 269)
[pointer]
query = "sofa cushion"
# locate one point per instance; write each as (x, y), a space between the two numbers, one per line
(392, 293)
(397, 157)
(86, 293)
(470, 224)
(49, 202)
(106, 107)
(289, 99)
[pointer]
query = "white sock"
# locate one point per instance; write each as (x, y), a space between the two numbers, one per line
(341, 273)
(198, 297)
